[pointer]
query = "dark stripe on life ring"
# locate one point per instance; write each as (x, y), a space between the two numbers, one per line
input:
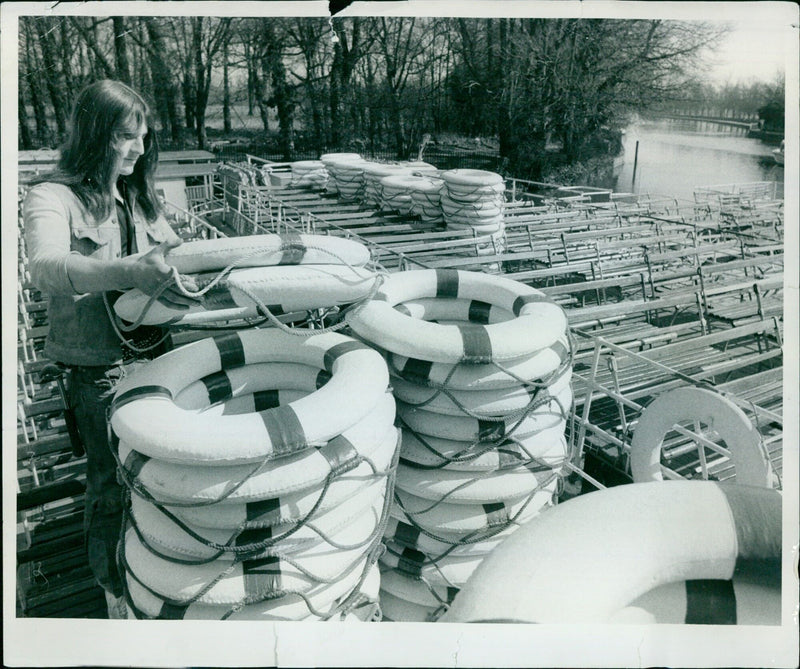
(218, 386)
(479, 312)
(403, 309)
(491, 430)
(284, 429)
(293, 249)
(496, 513)
(522, 300)
(415, 369)
(757, 517)
(380, 297)
(231, 350)
(170, 611)
(560, 350)
(322, 378)
(710, 602)
(451, 593)
(219, 297)
(411, 561)
(266, 399)
(257, 510)
(476, 343)
(406, 535)
(141, 392)
(336, 352)
(262, 576)
(446, 283)
(509, 454)
(341, 455)
(254, 535)
(135, 462)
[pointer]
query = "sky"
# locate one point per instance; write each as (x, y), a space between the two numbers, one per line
(751, 51)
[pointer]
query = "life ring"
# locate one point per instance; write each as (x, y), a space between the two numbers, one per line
(435, 452)
(323, 598)
(283, 290)
(415, 591)
(464, 487)
(538, 324)
(537, 366)
(480, 403)
(290, 509)
(445, 571)
(561, 567)
(456, 544)
(397, 609)
(471, 429)
(143, 411)
(436, 517)
(204, 255)
(232, 582)
(708, 407)
(469, 177)
(170, 536)
(477, 211)
(170, 482)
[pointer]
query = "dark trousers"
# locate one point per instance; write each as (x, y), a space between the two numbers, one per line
(91, 392)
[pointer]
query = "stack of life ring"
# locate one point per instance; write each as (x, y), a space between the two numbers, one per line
(412, 194)
(347, 173)
(242, 277)
(481, 372)
(328, 159)
(373, 174)
(260, 466)
(309, 174)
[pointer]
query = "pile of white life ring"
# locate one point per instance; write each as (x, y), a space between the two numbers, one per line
(412, 194)
(260, 466)
(309, 174)
(346, 172)
(693, 552)
(237, 277)
(373, 175)
(328, 159)
(481, 372)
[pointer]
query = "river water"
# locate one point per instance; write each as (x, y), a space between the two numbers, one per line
(674, 157)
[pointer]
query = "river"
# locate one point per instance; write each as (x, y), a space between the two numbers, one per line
(676, 156)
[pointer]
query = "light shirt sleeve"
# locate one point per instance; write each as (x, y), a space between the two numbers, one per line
(46, 221)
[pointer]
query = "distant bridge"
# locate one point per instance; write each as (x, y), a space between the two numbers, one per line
(746, 125)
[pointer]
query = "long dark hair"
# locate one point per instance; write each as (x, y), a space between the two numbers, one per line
(103, 111)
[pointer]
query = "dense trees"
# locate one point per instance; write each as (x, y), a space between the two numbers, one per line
(367, 83)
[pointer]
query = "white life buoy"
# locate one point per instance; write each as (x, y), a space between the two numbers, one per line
(435, 517)
(456, 544)
(232, 582)
(473, 178)
(414, 590)
(282, 289)
(470, 429)
(168, 535)
(464, 487)
(446, 571)
(171, 482)
(291, 248)
(562, 568)
(144, 412)
(289, 509)
(717, 413)
(397, 609)
(539, 322)
(494, 402)
(430, 451)
(323, 598)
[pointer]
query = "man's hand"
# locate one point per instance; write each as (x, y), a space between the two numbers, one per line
(149, 271)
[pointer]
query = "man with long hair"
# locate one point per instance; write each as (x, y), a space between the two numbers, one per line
(94, 227)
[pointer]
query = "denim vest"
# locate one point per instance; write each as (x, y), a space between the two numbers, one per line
(56, 224)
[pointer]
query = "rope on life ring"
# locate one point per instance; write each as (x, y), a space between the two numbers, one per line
(704, 406)
(539, 322)
(144, 411)
(561, 567)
